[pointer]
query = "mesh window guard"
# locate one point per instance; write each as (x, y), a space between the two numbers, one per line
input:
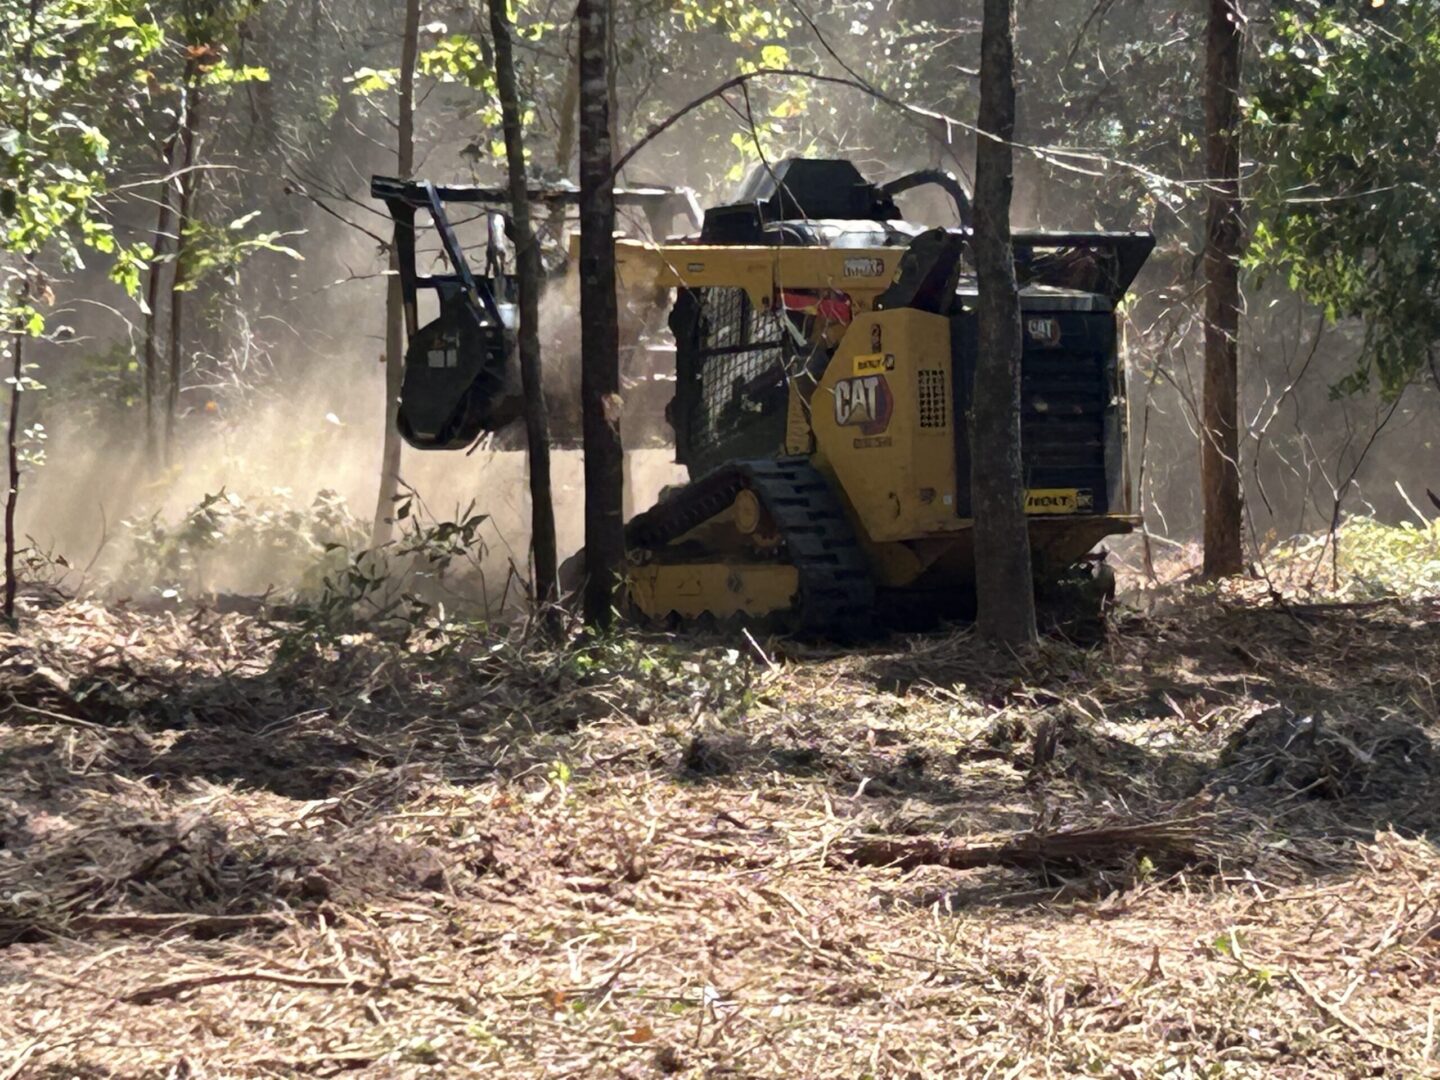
(741, 356)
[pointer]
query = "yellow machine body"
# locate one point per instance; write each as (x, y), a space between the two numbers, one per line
(879, 424)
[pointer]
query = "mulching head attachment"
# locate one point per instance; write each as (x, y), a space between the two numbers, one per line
(459, 381)
(455, 365)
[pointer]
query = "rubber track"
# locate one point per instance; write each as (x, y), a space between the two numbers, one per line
(836, 593)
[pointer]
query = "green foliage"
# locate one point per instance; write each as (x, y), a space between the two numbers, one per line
(128, 264)
(443, 543)
(1389, 560)
(741, 23)
(73, 63)
(397, 587)
(30, 445)
(225, 542)
(220, 250)
(222, 74)
(366, 81)
(1347, 118)
(86, 72)
(95, 389)
(457, 58)
(717, 682)
(1374, 560)
(140, 38)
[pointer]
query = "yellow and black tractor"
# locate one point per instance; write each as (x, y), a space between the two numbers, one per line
(824, 355)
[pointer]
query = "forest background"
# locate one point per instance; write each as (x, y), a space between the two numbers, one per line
(196, 270)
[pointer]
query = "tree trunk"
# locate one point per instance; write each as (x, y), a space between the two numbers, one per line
(565, 142)
(17, 370)
(189, 121)
(12, 457)
(164, 223)
(599, 325)
(1224, 239)
(1004, 585)
(394, 299)
(527, 269)
(612, 87)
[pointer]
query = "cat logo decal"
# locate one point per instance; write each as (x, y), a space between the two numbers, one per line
(1044, 332)
(864, 402)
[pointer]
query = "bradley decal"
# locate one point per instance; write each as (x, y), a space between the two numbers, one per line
(864, 402)
(873, 363)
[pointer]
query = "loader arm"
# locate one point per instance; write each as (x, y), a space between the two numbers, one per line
(861, 274)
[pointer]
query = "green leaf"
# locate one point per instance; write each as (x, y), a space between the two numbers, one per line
(367, 81)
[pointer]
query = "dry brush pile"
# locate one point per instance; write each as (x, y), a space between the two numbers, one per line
(1194, 849)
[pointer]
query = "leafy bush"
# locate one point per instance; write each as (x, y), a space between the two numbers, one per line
(401, 587)
(227, 544)
(1373, 559)
(314, 562)
(1346, 114)
(1389, 560)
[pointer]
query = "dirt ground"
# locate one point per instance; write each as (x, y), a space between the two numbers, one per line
(1196, 848)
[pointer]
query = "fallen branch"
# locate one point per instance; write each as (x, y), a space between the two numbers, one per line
(59, 718)
(19, 1061)
(1322, 608)
(338, 1060)
(175, 987)
(1181, 839)
(160, 923)
(1333, 1012)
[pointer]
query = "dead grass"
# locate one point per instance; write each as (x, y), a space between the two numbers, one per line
(1194, 850)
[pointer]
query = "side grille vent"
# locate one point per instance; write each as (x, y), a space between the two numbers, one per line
(933, 398)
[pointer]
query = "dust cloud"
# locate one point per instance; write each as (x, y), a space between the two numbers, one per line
(96, 502)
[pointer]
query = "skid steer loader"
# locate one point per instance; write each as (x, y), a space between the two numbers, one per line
(824, 353)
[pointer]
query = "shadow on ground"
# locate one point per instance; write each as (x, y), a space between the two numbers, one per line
(1298, 730)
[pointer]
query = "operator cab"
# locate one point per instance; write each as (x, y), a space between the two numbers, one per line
(816, 202)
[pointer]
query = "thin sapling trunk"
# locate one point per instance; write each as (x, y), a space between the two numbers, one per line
(599, 326)
(383, 527)
(527, 258)
(1004, 582)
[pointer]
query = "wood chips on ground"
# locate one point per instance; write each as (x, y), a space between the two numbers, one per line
(1196, 849)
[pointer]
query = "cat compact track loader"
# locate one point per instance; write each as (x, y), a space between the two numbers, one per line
(824, 355)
